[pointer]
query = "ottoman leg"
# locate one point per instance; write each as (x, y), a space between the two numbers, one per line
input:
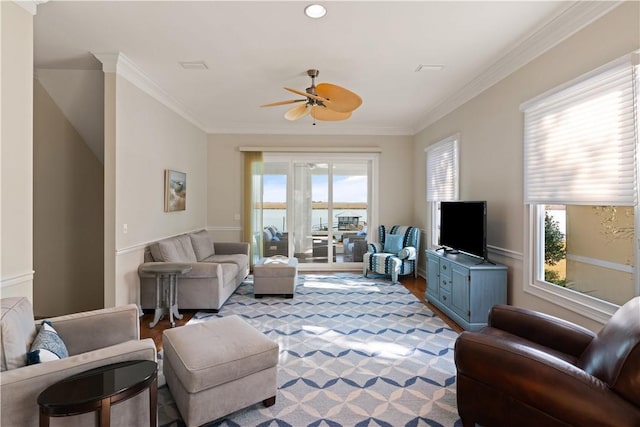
(269, 402)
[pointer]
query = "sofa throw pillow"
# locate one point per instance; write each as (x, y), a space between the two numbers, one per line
(393, 243)
(202, 244)
(47, 345)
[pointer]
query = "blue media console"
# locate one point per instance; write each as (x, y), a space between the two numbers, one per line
(464, 287)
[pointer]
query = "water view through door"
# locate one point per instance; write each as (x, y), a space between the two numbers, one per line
(320, 208)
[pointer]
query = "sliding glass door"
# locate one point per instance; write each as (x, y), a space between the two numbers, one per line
(322, 205)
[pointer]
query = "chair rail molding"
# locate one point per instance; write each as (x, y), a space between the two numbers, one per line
(7, 282)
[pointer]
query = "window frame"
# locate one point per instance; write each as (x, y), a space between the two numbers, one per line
(533, 268)
(434, 205)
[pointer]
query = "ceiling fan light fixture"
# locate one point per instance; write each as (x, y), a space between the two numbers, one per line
(315, 11)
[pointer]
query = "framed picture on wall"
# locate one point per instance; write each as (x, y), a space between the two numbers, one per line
(175, 191)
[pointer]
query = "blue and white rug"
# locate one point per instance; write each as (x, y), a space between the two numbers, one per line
(354, 351)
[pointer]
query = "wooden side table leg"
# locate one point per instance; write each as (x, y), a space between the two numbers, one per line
(105, 413)
(153, 403)
(159, 310)
(174, 307)
(171, 302)
(44, 420)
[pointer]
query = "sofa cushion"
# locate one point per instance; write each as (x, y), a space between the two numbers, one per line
(47, 345)
(241, 260)
(18, 331)
(174, 249)
(202, 244)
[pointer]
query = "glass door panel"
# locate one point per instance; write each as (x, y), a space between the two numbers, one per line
(312, 229)
(322, 206)
(274, 209)
(350, 191)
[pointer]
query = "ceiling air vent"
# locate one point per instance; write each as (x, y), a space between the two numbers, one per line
(194, 65)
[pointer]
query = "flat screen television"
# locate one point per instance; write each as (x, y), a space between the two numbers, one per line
(463, 227)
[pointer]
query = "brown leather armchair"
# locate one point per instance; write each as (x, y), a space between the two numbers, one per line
(531, 369)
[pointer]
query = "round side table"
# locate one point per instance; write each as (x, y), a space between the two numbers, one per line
(98, 389)
(171, 271)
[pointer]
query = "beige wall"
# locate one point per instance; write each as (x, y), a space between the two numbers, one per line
(224, 186)
(68, 214)
(491, 149)
(144, 138)
(16, 269)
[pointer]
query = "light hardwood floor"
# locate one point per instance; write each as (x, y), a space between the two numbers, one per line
(415, 286)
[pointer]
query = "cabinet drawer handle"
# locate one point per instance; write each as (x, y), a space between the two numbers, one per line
(444, 297)
(444, 267)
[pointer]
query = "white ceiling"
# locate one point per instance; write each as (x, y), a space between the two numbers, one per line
(254, 49)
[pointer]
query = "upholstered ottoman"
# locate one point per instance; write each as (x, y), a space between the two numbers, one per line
(275, 276)
(217, 367)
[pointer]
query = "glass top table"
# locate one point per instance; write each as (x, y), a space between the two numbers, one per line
(98, 389)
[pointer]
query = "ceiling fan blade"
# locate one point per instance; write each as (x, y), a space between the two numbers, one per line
(297, 112)
(323, 113)
(309, 95)
(340, 99)
(293, 101)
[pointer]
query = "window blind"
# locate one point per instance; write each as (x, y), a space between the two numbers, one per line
(442, 171)
(581, 141)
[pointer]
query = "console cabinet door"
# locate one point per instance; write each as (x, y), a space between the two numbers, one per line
(460, 290)
(433, 277)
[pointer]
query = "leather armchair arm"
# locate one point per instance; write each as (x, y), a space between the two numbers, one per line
(552, 385)
(543, 329)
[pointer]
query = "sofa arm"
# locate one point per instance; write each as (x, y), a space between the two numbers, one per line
(231, 248)
(20, 387)
(541, 328)
(540, 380)
(91, 330)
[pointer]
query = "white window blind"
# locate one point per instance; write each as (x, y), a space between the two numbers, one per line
(442, 171)
(580, 141)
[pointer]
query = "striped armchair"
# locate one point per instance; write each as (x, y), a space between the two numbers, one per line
(393, 255)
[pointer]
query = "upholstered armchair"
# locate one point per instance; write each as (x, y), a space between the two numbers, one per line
(395, 253)
(531, 369)
(92, 339)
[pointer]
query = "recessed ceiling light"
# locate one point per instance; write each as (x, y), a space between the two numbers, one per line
(315, 11)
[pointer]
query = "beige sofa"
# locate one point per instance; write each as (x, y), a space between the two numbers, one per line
(218, 268)
(93, 338)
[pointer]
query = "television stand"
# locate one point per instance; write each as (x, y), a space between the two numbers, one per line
(463, 288)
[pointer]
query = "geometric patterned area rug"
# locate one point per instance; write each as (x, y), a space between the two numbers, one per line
(354, 351)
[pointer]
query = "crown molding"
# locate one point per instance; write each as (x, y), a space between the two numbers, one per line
(119, 64)
(321, 128)
(30, 6)
(571, 20)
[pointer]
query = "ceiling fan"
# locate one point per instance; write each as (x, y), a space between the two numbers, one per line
(327, 102)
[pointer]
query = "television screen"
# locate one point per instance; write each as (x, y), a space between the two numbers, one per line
(463, 227)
